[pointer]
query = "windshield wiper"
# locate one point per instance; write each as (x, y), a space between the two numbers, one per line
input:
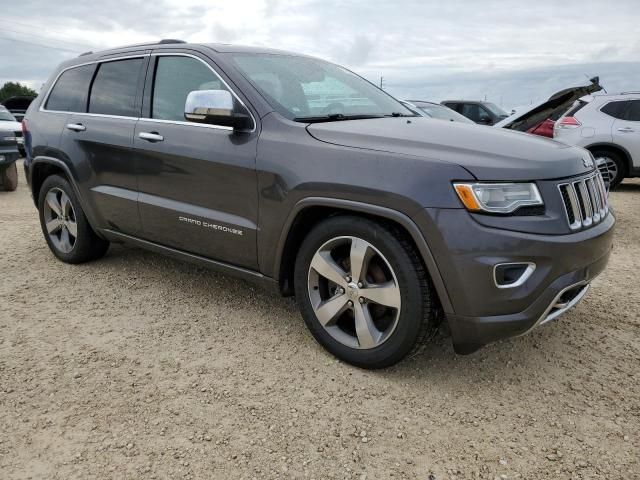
(398, 114)
(335, 117)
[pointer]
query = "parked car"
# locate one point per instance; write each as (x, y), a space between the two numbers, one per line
(10, 140)
(300, 175)
(434, 110)
(609, 127)
(484, 113)
(18, 105)
(539, 119)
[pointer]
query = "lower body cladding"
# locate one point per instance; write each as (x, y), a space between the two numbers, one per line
(546, 274)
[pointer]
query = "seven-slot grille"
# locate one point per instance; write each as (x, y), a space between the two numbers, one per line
(585, 201)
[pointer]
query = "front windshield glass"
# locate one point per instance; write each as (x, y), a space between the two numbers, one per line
(6, 116)
(496, 110)
(302, 88)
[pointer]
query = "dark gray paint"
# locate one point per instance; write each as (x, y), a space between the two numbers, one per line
(396, 168)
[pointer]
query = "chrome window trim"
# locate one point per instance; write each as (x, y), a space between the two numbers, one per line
(93, 62)
(206, 125)
(147, 119)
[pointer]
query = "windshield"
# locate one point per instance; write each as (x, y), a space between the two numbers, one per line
(307, 89)
(496, 110)
(5, 115)
(442, 113)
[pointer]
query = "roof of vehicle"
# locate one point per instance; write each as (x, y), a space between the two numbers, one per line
(171, 43)
(465, 101)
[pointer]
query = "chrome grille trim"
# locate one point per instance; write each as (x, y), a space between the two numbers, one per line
(585, 201)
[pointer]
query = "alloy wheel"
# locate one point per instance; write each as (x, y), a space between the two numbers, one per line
(608, 168)
(60, 220)
(354, 292)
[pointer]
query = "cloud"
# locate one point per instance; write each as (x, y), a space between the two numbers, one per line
(432, 49)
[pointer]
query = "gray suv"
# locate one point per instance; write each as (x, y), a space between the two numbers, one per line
(297, 174)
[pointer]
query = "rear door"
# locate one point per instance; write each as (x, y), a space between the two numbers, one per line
(100, 140)
(197, 182)
(626, 130)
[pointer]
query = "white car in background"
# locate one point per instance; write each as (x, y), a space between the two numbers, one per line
(609, 127)
(435, 110)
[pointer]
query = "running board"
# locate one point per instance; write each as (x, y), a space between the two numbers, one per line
(233, 270)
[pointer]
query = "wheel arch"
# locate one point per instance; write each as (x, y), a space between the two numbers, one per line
(626, 156)
(310, 211)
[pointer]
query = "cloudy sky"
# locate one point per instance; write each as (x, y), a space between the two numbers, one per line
(424, 49)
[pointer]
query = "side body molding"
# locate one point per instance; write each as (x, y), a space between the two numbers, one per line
(384, 212)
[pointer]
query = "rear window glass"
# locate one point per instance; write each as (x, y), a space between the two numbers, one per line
(615, 109)
(114, 88)
(70, 91)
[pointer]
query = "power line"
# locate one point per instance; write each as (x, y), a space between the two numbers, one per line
(40, 45)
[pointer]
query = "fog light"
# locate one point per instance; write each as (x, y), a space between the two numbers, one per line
(511, 275)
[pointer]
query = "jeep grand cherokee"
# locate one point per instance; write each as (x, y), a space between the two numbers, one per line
(296, 173)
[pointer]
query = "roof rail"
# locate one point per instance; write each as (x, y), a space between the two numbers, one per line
(85, 53)
(170, 40)
(630, 93)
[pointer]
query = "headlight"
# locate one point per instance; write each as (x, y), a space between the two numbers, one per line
(497, 197)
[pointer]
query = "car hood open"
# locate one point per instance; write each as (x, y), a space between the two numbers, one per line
(487, 153)
(553, 108)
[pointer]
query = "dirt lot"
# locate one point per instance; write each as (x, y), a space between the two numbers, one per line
(137, 366)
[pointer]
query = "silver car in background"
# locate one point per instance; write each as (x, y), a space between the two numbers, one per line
(609, 127)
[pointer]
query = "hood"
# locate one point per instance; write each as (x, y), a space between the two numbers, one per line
(553, 108)
(487, 153)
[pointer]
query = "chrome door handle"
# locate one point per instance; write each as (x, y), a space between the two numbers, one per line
(626, 129)
(76, 127)
(151, 136)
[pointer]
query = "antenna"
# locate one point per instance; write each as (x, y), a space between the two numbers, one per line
(381, 82)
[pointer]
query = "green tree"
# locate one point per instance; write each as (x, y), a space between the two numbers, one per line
(12, 89)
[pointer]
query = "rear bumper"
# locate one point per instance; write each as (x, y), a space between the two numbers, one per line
(466, 253)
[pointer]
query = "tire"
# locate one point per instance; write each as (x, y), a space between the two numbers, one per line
(10, 178)
(612, 164)
(400, 328)
(60, 217)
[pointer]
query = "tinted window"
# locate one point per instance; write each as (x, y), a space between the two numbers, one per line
(472, 111)
(70, 91)
(615, 109)
(633, 114)
(114, 88)
(175, 77)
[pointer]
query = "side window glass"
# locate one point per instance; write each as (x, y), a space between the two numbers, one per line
(471, 110)
(175, 77)
(633, 113)
(114, 88)
(70, 91)
(615, 109)
(483, 115)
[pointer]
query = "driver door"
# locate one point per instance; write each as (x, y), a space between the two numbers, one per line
(197, 182)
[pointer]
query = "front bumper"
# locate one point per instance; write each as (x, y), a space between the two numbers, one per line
(466, 253)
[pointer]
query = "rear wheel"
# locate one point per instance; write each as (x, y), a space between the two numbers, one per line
(611, 165)
(9, 177)
(64, 225)
(363, 292)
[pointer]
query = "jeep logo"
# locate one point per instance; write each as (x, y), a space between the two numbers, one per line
(587, 162)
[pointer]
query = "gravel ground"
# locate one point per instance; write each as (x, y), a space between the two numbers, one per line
(137, 366)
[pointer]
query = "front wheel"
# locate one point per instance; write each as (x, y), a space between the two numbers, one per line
(363, 292)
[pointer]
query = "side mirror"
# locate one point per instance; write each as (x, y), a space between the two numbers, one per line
(485, 121)
(215, 107)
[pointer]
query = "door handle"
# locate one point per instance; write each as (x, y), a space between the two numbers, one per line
(626, 129)
(76, 127)
(151, 136)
